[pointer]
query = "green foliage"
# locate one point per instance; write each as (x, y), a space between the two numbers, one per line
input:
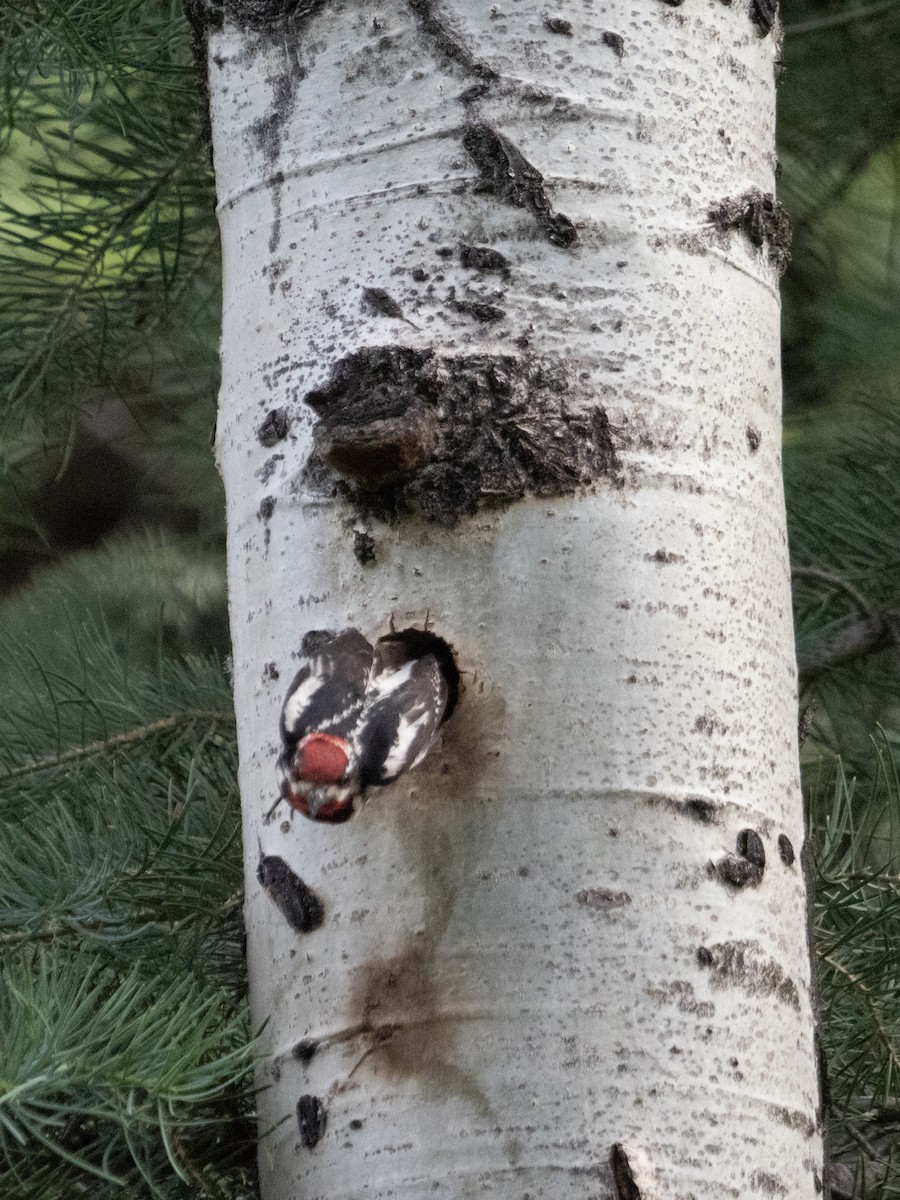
(127, 1044)
(856, 831)
(839, 143)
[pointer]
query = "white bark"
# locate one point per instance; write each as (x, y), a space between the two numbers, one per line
(527, 957)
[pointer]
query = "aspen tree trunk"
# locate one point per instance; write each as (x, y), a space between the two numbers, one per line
(500, 353)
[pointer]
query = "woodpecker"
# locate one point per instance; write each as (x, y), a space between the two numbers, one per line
(359, 716)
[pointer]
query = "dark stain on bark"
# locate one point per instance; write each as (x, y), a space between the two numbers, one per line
(274, 428)
(408, 430)
(700, 809)
(507, 174)
(479, 310)
(602, 899)
(266, 507)
(312, 1119)
(363, 547)
(305, 1050)
(737, 872)
(297, 903)
(622, 1175)
(762, 219)
(750, 846)
(615, 41)
(483, 258)
(379, 302)
(763, 14)
(558, 25)
(740, 964)
(264, 15)
(448, 44)
(767, 1184)
(785, 850)
(754, 438)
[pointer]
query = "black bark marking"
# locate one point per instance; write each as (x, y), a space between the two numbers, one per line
(702, 810)
(478, 309)
(297, 903)
(363, 547)
(305, 1050)
(558, 25)
(768, 1184)
(785, 850)
(664, 556)
(761, 219)
(409, 430)
(740, 964)
(266, 507)
(448, 44)
(763, 14)
(750, 846)
(738, 872)
(483, 258)
(379, 302)
(312, 1118)
(506, 173)
(262, 15)
(623, 1176)
(602, 899)
(274, 428)
(754, 438)
(673, 3)
(615, 41)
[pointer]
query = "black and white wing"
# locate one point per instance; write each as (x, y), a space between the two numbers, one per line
(400, 719)
(329, 690)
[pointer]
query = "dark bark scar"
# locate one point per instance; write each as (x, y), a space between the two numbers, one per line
(505, 172)
(409, 430)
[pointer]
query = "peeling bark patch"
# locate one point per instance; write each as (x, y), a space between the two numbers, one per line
(602, 899)
(754, 438)
(558, 25)
(448, 435)
(297, 903)
(483, 258)
(739, 964)
(312, 1118)
(622, 1175)
(761, 219)
(769, 1185)
(785, 850)
(615, 41)
(750, 846)
(363, 547)
(763, 14)
(274, 428)
(506, 173)
(448, 44)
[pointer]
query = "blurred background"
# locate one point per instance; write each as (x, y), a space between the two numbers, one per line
(120, 877)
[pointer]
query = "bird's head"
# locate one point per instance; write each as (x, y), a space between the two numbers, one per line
(320, 778)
